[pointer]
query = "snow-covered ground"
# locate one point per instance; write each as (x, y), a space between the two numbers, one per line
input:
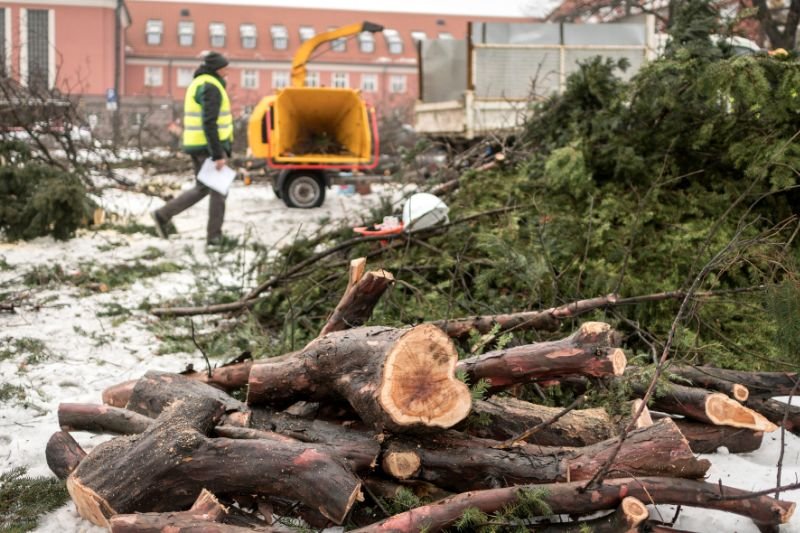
(89, 351)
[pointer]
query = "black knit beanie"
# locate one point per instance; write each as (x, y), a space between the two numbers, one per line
(215, 61)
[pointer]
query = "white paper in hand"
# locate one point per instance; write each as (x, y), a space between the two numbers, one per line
(218, 180)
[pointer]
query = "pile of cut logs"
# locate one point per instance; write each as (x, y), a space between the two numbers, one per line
(364, 412)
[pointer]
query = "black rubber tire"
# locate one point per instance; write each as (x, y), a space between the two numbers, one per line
(303, 190)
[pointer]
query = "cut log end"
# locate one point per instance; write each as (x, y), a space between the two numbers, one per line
(740, 392)
(618, 361)
(90, 505)
(644, 419)
(634, 510)
(724, 411)
(401, 464)
(419, 386)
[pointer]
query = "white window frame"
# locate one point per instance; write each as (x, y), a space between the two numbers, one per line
(7, 43)
(280, 37)
(280, 79)
(249, 35)
(306, 33)
(153, 76)
(186, 29)
(250, 79)
(340, 80)
(312, 79)
(398, 83)
(184, 76)
(446, 35)
(338, 45)
(23, 47)
(154, 28)
(217, 30)
(394, 42)
(369, 83)
(366, 42)
(417, 36)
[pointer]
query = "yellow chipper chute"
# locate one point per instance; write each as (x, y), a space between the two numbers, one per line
(309, 132)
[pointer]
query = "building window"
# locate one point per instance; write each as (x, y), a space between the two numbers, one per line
(338, 45)
(366, 42)
(280, 79)
(248, 33)
(369, 83)
(250, 79)
(418, 36)
(445, 35)
(306, 33)
(185, 76)
(153, 76)
(154, 29)
(393, 41)
(280, 37)
(38, 49)
(216, 33)
(186, 33)
(397, 83)
(3, 71)
(312, 79)
(340, 80)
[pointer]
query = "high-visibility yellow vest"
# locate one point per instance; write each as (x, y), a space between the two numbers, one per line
(193, 134)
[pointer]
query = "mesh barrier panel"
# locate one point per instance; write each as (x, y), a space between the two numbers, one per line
(635, 57)
(605, 34)
(444, 70)
(515, 73)
(515, 33)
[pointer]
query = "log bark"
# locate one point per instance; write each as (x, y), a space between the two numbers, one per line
(759, 384)
(706, 406)
(706, 438)
(775, 411)
(397, 379)
(457, 462)
(63, 454)
(167, 466)
(704, 378)
(119, 394)
(570, 498)
(101, 419)
(226, 377)
(360, 298)
(625, 519)
(588, 352)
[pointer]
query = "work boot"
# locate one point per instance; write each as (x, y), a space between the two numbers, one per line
(163, 227)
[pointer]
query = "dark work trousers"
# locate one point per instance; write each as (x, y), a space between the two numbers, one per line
(216, 205)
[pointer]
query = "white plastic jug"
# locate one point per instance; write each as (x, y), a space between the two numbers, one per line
(423, 210)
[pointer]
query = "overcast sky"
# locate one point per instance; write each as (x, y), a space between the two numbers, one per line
(502, 8)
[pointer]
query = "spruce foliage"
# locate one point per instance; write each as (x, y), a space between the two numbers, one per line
(23, 499)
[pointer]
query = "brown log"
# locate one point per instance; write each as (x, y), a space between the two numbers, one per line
(63, 454)
(227, 377)
(588, 351)
(167, 466)
(360, 297)
(706, 438)
(398, 379)
(101, 419)
(706, 406)
(570, 498)
(389, 489)
(205, 510)
(118, 395)
(705, 378)
(457, 462)
(625, 519)
(759, 384)
(775, 411)
(155, 390)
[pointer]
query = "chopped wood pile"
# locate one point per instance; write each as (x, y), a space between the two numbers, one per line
(362, 412)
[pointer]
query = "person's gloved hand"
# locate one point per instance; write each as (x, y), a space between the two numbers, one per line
(219, 163)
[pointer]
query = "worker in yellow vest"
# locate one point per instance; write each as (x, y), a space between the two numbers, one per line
(207, 132)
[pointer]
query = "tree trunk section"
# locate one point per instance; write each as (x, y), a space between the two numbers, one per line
(458, 463)
(705, 378)
(397, 379)
(119, 394)
(356, 305)
(226, 377)
(706, 438)
(63, 454)
(759, 384)
(587, 352)
(625, 519)
(166, 467)
(570, 498)
(101, 419)
(775, 412)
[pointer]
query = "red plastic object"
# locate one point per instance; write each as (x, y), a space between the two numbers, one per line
(363, 231)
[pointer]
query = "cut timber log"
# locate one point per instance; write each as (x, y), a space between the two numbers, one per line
(168, 465)
(706, 438)
(101, 419)
(359, 299)
(588, 352)
(397, 379)
(702, 377)
(625, 519)
(706, 406)
(759, 384)
(457, 462)
(776, 412)
(118, 395)
(570, 498)
(205, 511)
(63, 454)
(226, 377)
(155, 390)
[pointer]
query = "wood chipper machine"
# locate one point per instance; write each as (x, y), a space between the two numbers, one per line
(309, 133)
